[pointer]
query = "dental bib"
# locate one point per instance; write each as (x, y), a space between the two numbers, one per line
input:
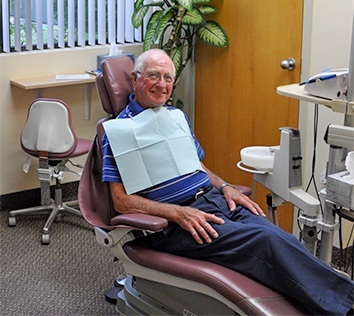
(152, 147)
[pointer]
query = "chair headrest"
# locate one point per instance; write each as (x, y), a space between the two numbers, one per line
(114, 84)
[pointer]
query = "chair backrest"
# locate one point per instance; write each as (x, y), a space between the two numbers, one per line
(114, 86)
(48, 129)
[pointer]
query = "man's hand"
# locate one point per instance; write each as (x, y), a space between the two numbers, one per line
(234, 197)
(193, 220)
(197, 223)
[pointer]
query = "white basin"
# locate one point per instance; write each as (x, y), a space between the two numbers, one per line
(258, 157)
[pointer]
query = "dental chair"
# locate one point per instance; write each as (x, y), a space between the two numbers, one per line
(160, 283)
(49, 136)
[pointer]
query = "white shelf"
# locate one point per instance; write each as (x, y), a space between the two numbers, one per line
(298, 92)
(39, 84)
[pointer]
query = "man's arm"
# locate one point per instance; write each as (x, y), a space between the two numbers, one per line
(191, 219)
(233, 196)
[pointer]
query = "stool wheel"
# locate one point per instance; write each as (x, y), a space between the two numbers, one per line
(45, 239)
(12, 221)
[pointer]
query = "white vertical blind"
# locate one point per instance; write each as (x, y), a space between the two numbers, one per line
(111, 13)
(71, 23)
(61, 27)
(91, 22)
(6, 27)
(120, 21)
(81, 27)
(17, 23)
(50, 23)
(129, 28)
(41, 24)
(101, 22)
(28, 25)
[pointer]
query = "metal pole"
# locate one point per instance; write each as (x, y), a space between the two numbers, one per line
(349, 119)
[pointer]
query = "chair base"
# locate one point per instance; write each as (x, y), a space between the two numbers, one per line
(111, 294)
(56, 209)
(143, 297)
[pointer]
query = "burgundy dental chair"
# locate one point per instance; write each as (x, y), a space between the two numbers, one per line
(160, 283)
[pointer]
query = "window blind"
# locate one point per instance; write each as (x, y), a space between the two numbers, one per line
(42, 24)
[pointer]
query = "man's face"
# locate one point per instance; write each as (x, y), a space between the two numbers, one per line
(153, 86)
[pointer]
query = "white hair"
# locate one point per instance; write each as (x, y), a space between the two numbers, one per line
(140, 62)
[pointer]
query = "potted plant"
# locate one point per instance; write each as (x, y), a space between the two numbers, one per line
(174, 26)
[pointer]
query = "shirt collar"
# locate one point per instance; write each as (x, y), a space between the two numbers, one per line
(133, 107)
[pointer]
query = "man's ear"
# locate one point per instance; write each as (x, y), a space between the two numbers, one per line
(134, 77)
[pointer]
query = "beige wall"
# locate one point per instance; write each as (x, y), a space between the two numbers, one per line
(14, 103)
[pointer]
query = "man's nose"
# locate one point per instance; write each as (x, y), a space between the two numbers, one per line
(162, 81)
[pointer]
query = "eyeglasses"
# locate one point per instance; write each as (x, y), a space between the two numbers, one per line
(156, 76)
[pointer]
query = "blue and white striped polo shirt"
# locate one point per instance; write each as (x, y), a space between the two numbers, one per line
(176, 190)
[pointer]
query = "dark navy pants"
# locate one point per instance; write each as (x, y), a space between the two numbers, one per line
(255, 247)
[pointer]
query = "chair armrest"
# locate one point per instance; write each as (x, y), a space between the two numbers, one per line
(243, 189)
(154, 223)
(140, 221)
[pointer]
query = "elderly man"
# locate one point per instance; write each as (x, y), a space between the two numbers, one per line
(152, 161)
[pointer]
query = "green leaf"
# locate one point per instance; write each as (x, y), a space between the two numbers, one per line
(138, 16)
(176, 55)
(213, 34)
(207, 9)
(151, 30)
(157, 23)
(193, 17)
(167, 16)
(156, 4)
(179, 104)
(201, 1)
(140, 10)
(188, 4)
(138, 3)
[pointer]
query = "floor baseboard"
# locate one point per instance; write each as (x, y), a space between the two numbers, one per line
(30, 198)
